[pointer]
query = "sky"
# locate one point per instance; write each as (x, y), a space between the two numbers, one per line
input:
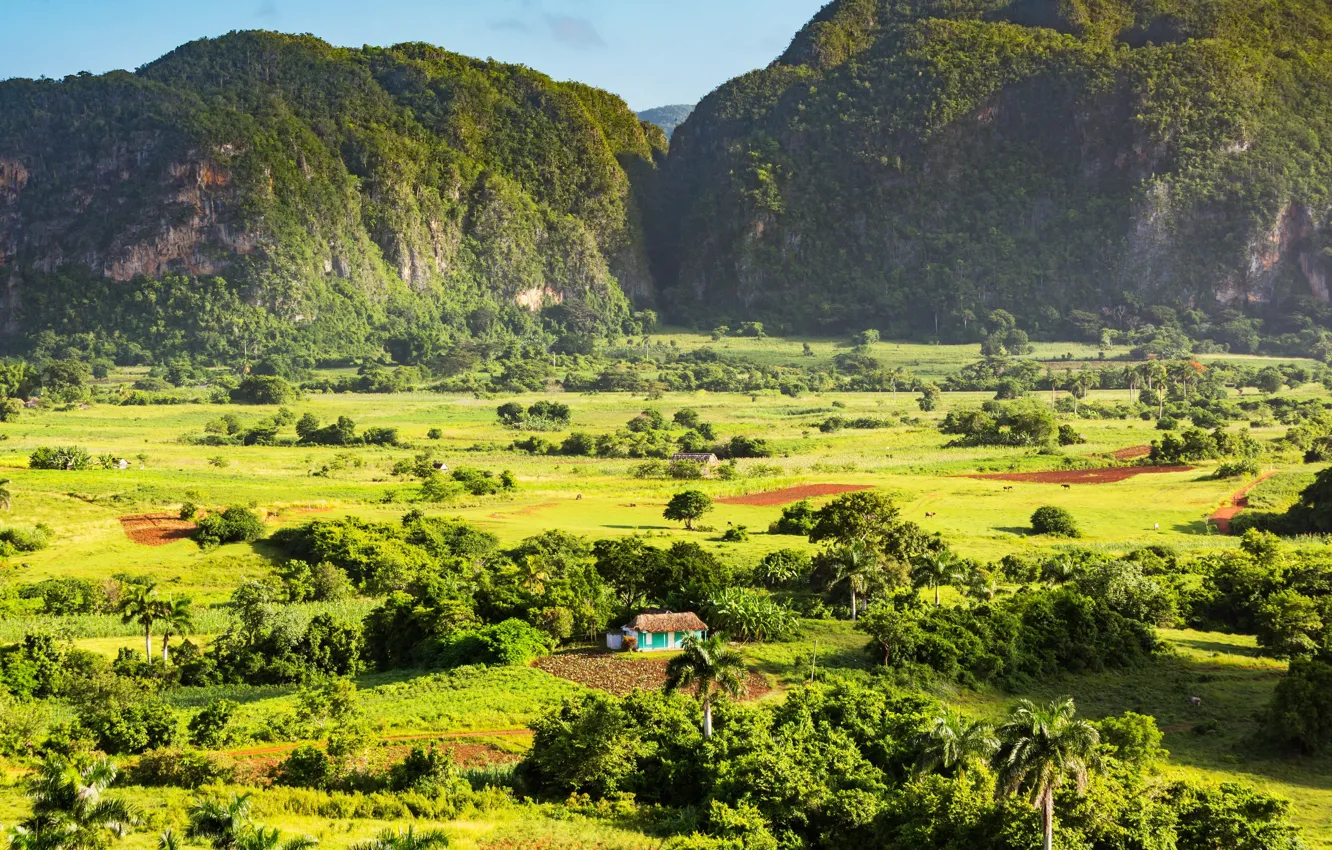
(650, 53)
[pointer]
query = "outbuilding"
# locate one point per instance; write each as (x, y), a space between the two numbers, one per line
(707, 459)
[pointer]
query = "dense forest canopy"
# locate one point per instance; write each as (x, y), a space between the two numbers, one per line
(908, 164)
(260, 187)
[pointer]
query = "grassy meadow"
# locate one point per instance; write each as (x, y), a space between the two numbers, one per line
(982, 519)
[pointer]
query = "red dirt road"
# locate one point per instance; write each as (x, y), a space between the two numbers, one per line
(1239, 501)
(793, 494)
(1108, 475)
(156, 529)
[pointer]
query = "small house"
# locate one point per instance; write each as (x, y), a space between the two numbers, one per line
(658, 632)
(440, 466)
(121, 463)
(706, 459)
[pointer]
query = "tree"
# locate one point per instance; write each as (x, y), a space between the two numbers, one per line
(707, 663)
(929, 398)
(853, 563)
(863, 517)
(176, 618)
(227, 826)
(934, 569)
(1041, 749)
(954, 742)
(409, 840)
(1289, 625)
(687, 507)
(1054, 521)
(6, 496)
(68, 809)
(140, 605)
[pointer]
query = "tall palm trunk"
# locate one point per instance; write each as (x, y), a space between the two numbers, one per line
(148, 641)
(166, 652)
(936, 594)
(1047, 817)
(853, 602)
(707, 717)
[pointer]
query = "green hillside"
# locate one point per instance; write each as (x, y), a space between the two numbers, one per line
(260, 187)
(913, 162)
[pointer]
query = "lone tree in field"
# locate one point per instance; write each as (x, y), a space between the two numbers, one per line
(1056, 522)
(1040, 750)
(687, 507)
(708, 663)
(140, 605)
(68, 810)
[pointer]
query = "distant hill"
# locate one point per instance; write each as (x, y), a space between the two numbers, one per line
(263, 186)
(912, 163)
(667, 117)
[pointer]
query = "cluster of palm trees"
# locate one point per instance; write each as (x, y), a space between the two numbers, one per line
(857, 564)
(141, 604)
(1036, 751)
(1154, 375)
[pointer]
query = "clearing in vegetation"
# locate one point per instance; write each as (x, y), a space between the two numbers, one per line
(622, 674)
(156, 529)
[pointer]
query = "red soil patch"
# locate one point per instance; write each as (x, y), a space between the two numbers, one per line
(1239, 501)
(622, 674)
(156, 529)
(793, 494)
(1132, 453)
(1108, 475)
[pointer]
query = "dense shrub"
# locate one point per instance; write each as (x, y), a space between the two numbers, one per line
(746, 614)
(796, 520)
(1054, 521)
(236, 524)
(61, 457)
(65, 596)
(172, 768)
(263, 389)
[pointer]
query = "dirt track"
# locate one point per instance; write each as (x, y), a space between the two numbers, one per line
(793, 494)
(1107, 475)
(1132, 453)
(1238, 501)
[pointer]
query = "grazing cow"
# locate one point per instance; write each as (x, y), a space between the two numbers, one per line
(1196, 702)
(1068, 486)
(580, 498)
(1008, 488)
(928, 514)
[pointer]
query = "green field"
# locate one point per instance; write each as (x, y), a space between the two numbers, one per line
(597, 498)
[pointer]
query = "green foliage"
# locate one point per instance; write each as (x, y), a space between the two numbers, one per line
(688, 507)
(1054, 521)
(63, 457)
(236, 524)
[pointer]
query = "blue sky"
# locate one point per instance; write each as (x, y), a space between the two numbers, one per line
(651, 53)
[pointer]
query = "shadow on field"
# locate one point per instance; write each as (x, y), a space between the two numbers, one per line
(1198, 527)
(1204, 645)
(643, 527)
(1015, 530)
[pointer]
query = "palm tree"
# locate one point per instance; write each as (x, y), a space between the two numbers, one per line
(176, 618)
(854, 562)
(934, 569)
(6, 496)
(140, 605)
(707, 662)
(1040, 750)
(259, 838)
(68, 810)
(409, 840)
(954, 742)
(221, 824)
(1130, 377)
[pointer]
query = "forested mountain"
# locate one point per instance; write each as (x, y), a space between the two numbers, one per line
(667, 117)
(263, 190)
(913, 162)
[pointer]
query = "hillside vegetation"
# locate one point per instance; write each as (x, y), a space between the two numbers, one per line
(262, 190)
(908, 164)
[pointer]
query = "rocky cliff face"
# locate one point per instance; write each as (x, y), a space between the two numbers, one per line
(302, 173)
(907, 163)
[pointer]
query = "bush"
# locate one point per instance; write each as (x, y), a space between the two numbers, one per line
(1055, 522)
(797, 520)
(1244, 468)
(61, 457)
(736, 534)
(62, 597)
(14, 540)
(263, 389)
(135, 728)
(746, 614)
(172, 768)
(1300, 714)
(784, 568)
(306, 767)
(208, 728)
(236, 524)
(1068, 436)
